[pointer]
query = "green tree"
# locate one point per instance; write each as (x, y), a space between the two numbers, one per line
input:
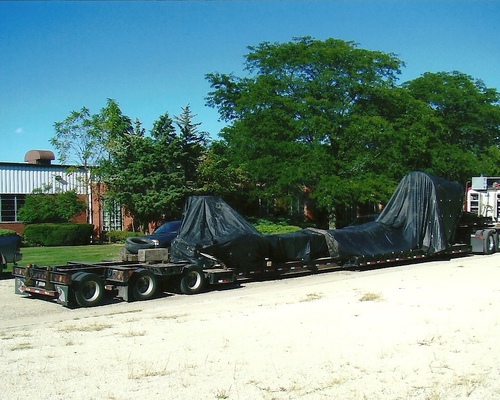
(41, 207)
(193, 142)
(129, 176)
(151, 175)
(293, 119)
(75, 140)
(79, 143)
(110, 125)
(469, 115)
(216, 175)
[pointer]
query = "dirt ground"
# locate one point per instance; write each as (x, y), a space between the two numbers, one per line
(423, 331)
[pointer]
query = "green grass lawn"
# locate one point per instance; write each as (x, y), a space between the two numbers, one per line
(62, 254)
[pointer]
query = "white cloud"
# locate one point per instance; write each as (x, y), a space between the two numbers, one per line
(19, 130)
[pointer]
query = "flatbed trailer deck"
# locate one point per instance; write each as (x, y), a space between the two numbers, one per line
(85, 284)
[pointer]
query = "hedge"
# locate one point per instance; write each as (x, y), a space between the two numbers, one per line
(65, 234)
(119, 236)
(267, 227)
(7, 232)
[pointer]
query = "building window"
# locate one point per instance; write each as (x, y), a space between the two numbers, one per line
(111, 216)
(10, 205)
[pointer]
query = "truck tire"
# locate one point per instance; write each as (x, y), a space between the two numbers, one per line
(143, 285)
(89, 289)
(192, 280)
(490, 245)
(134, 244)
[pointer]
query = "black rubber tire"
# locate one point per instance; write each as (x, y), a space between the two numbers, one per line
(143, 285)
(192, 280)
(489, 243)
(89, 289)
(136, 243)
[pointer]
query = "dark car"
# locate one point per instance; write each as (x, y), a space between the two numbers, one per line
(161, 237)
(9, 250)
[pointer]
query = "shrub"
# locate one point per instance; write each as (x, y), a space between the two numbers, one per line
(119, 236)
(7, 232)
(267, 227)
(67, 234)
(45, 208)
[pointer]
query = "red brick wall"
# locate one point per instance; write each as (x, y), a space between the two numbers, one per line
(15, 226)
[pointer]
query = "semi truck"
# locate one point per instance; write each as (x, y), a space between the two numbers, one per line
(215, 245)
(483, 197)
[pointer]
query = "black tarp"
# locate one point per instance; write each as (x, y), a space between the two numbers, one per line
(422, 214)
(303, 245)
(209, 225)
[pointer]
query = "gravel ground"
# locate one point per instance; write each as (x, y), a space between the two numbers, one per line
(423, 331)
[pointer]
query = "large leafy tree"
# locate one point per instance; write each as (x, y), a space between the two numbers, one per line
(295, 118)
(327, 117)
(469, 117)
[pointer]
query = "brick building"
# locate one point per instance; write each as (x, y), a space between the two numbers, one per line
(20, 179)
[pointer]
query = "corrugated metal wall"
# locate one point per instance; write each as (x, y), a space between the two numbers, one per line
(24, 178)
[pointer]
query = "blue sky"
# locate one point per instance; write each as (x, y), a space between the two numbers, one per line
(152, 57)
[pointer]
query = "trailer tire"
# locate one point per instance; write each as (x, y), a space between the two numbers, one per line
(89, 289)
(192, 280)
(489, 242)
(134, 244)
(143, 285)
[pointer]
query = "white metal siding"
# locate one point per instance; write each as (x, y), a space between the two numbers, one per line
(24, 178)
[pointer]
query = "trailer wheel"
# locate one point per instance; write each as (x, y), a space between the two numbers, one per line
(143, 285)
(192, 280)
(489, 243)
(89, 289)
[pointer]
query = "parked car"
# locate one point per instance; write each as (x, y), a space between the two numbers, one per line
(10, 245)
(161, 237)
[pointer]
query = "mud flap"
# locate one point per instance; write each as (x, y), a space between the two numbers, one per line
(18, 286)
(477, 241)
(123, 292)
(62, 294)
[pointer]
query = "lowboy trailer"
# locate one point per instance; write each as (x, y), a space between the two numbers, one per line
(85, 284)
(215, 245)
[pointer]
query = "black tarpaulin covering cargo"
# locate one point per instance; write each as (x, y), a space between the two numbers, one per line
(304, 245)
(422, 214)
(211, 226)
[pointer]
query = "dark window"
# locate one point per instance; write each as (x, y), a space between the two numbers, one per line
(9, 206)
